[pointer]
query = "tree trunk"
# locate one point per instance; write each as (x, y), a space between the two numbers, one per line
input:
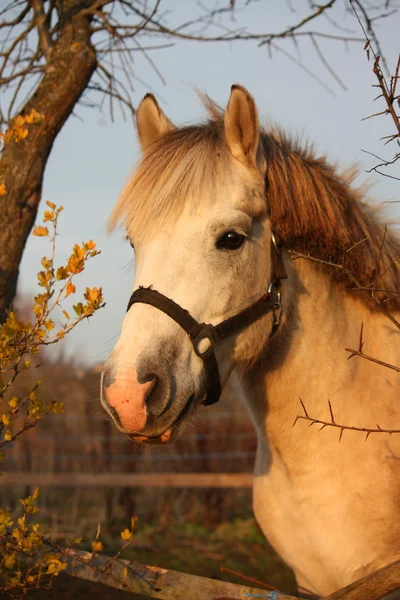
(70, 65)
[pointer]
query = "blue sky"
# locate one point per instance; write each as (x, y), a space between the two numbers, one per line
(92, 157)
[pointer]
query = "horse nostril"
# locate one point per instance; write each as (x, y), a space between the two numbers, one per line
(154, 398)
(108, 377)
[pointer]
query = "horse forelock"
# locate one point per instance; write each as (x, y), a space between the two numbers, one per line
(183, 167)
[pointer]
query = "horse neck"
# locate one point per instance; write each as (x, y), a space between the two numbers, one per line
(306, 358)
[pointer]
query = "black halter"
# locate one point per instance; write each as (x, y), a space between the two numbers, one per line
(270, 301)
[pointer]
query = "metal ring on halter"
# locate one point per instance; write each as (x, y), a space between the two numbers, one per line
(275, 244)
(275, 286)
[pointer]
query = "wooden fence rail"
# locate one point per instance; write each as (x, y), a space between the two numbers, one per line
(155, 582)
(165, 584)
(126, 480)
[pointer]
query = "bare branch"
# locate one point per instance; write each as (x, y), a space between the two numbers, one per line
(45, 41)
(371, 358)
(334, 424)
(365, 290)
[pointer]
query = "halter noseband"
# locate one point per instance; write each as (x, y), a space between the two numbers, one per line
(270, 301)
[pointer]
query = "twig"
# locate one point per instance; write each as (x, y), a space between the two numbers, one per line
(366, 291)
(332, 423)
(246, 578)
(371, 358)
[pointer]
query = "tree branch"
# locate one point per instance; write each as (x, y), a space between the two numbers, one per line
(45, 41)
(332, 423)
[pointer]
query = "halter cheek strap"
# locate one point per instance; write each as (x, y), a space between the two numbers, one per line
(197, 332)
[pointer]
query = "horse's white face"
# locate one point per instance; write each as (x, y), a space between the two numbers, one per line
(214, 261)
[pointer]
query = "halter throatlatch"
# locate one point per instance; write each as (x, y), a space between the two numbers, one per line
(214, 334)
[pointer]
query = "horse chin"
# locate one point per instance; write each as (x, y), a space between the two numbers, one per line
(170, 434)
(164, 438)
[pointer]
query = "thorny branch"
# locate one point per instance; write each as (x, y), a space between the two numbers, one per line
(388, 89)
(333, 423)
(362, 354)
(370, 292)
(366, 291)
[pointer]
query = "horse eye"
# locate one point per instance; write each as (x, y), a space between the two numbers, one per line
(232, 240)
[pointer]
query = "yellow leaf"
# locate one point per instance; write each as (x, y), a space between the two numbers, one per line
(97, 546)
(41, 231)
(66, 315)
(33, 117)
(8, 436)
(46, 262)
(19, 121)
(48, 215)
(90, 245)
(5, 419)
(49, 325)
(62, 273)
(13, 403)
(93, 294)
(36, 494)
(50, 204)
(71, 289)
(126, 534)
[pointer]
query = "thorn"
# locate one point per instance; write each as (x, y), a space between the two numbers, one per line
(330, 410)
(304, 408)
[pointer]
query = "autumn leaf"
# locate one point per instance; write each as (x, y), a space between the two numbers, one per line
(41, 231)
(126, 534)
(46, 262)
(33, 117)
(3, 190)
(71, 289)
(49, 324)
(91, 295)
(48, 215)
(90, 245)
(97, 546)
(78, 308)
(62, 273)
(13, 402)
(19, 121)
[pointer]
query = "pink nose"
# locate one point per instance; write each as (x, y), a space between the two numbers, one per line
(127, 397)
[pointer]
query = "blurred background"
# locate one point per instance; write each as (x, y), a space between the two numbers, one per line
(309, 73)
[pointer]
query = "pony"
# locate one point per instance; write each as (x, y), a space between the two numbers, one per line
(224, 214)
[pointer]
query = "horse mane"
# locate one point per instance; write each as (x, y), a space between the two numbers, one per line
(315, 211)
(313, 208)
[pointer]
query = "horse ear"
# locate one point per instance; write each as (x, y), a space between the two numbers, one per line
(242, 130)
(151, 121)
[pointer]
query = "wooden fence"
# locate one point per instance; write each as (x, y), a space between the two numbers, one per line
(129, 480)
